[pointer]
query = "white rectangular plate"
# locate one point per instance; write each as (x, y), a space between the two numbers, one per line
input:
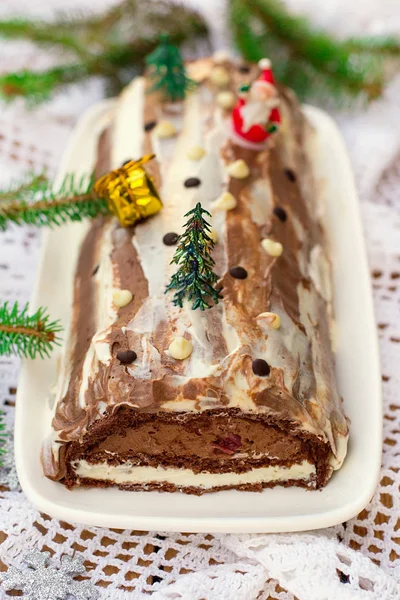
(273, 510)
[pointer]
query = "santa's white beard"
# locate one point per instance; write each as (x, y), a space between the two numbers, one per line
(256, 113)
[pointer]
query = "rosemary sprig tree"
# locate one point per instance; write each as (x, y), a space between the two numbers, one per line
(312, 62)
(167, 70)
(27, 335)
(195, 278)
(112, 45)
(41, 203)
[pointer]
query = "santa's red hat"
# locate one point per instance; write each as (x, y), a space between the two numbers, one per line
(266, 71)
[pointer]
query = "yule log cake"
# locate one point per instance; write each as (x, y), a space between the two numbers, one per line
(157, 396)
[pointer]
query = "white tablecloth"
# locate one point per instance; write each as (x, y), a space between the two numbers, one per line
(355, 560)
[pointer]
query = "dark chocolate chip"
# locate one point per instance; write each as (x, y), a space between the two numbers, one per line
(150, 125)
(291, 175)
(12, 391)
(244, 69)
(343, 577)
(192, 182)
(238, 272)
(261, 367)
(95, 270)
(128, 160)
(170, 239)
(127, 356)
(280, 213)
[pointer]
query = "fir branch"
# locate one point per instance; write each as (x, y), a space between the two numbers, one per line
(111, 45)
(38, 86)
(74, 200)
(43, 33)
(195, 279)
(27, 335)
(22, 188)
(321, 51)
(386, 45)
(311, 62)
(83, 32)
(246, 39)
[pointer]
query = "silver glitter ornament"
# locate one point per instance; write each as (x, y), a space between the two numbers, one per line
(41, 582)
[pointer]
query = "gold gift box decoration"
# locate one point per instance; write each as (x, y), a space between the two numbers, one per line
(130, 192)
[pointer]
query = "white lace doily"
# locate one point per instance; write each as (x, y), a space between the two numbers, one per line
(357, 560)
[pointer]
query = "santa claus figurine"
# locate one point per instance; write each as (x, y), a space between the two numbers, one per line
(256, 115)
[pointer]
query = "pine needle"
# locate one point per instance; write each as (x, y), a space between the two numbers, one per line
(19, 189)
(27, 335)
(74, 200)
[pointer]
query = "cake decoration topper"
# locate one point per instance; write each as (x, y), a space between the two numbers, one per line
(167, 71)
(195, 278)
(128, 192)
(256, 115)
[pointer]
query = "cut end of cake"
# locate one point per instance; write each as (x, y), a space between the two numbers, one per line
(206, 452)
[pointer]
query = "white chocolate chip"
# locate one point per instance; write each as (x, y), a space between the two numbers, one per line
(271, 318)
(196, 153)
(180, 348)
(165, 129)
(226, 201)
(213, 235)
(221, 56)
(238, 169)
(219, 76)
(122, 297)
(226, 99)
(272, 248)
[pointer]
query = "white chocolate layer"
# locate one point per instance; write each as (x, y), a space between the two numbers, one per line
(127, 473)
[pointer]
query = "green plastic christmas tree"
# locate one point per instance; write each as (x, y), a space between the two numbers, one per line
(27, 335)
(195, 278)
(168, 71)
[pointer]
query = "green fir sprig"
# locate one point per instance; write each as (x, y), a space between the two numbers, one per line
(27, 335)
(312, 62)
(20, 189)
(43, 204)
(195, 278)
(112, 45)
(167, 71)
(36, 87)
(3, 437)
